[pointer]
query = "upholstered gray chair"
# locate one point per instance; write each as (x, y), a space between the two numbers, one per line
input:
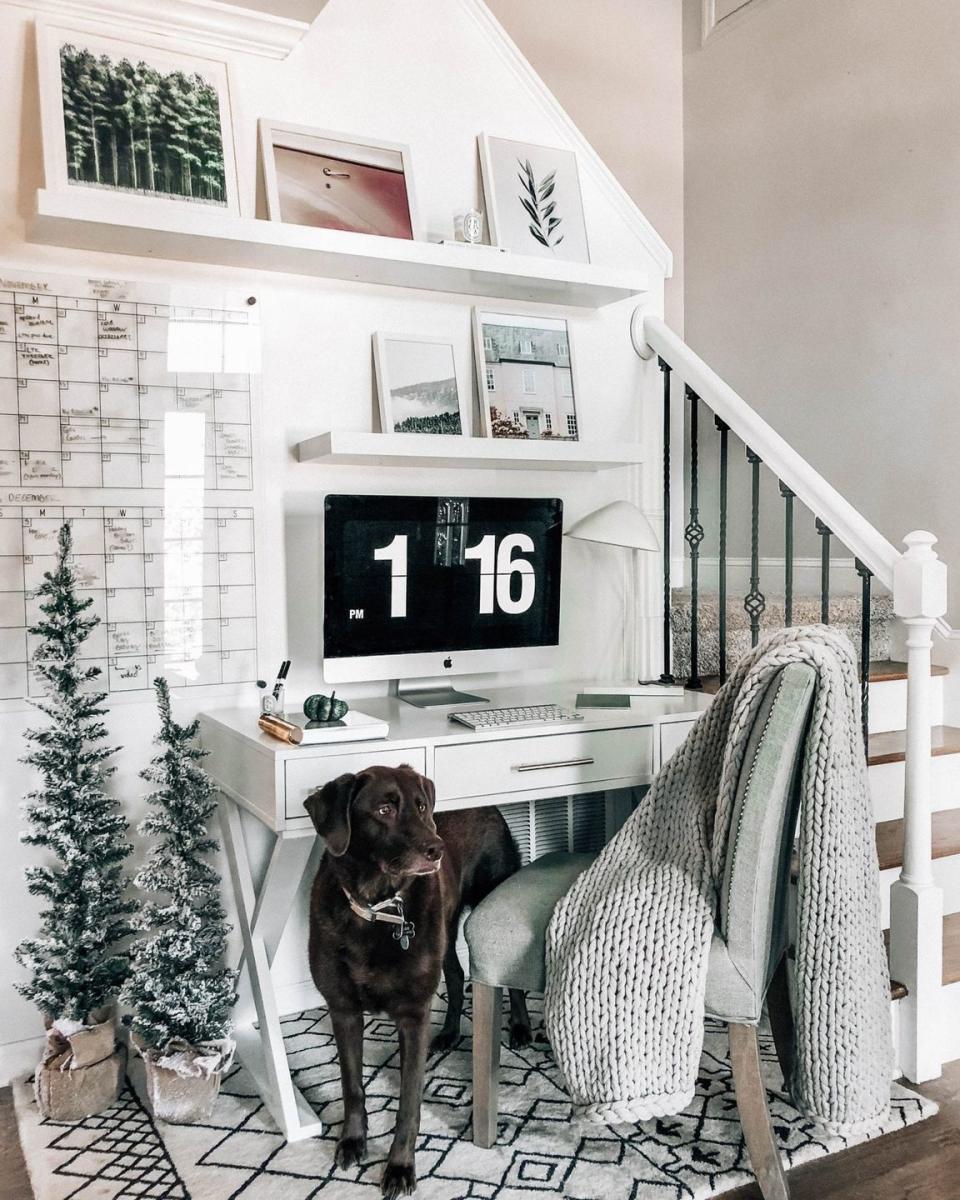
(748, 955)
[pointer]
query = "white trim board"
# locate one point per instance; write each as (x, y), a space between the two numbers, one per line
(588, 159)
(203, 22)
(19, 1059)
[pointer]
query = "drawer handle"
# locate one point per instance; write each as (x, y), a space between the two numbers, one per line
(566, 762)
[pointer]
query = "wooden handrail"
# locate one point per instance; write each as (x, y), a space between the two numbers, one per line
(824, 501)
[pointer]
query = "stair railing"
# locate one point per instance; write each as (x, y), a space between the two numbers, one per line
(917, 580)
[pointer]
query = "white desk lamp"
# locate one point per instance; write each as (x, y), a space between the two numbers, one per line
(622, 524)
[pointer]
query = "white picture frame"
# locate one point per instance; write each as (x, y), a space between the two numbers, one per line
(368, 153)
(413, 388)
(133, 166)
(530, 392)
(533, 199)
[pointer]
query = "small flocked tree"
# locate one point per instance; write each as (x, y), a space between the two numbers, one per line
(178, 987)
(74, 964)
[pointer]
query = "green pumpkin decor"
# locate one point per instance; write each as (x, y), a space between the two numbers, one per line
(325, 708)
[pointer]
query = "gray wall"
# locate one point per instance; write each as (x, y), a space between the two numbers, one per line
(822, 234)
(616, 68)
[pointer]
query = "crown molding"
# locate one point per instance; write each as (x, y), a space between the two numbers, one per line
(590, 161)
(202, 22)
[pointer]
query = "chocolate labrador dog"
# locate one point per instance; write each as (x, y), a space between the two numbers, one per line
(384, 914)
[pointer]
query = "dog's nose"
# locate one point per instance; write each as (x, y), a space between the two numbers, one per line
(433, 851)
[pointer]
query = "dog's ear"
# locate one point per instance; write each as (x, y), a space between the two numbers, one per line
(329, 809)
(430, 790)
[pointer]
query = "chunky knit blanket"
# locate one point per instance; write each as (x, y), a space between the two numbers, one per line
(627, 946)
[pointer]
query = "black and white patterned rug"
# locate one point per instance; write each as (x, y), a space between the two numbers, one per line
(123, 1154)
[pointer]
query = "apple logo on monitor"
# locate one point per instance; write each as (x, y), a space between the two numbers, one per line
(448, 663)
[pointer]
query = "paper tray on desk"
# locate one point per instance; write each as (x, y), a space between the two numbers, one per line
(354, 727)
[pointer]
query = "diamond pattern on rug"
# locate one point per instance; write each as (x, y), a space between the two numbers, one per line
(117, 1154)
(540, 1152)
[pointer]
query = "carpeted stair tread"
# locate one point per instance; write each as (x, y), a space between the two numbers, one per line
(946, 838)
(889, 747)
(844, 615)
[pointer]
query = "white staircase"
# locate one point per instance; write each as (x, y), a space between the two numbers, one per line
(913, 758)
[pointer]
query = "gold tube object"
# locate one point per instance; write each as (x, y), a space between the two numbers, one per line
(277, 727)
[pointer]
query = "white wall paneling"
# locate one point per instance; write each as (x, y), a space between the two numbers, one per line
(383, 68)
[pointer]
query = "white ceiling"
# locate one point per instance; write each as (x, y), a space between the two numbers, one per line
(298, 10)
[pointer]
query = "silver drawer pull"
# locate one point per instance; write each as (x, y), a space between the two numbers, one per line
(566, 762)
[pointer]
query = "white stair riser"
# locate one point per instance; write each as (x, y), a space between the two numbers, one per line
(886, 786)
(946, 875)
(888, 704)
(949, 1021)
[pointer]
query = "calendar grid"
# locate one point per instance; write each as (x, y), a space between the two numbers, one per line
(106, 361)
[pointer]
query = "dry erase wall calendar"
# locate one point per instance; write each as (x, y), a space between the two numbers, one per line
(132, 411)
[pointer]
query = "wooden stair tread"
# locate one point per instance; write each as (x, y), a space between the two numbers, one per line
(951, 954)
(946, 838)
(889, 747)
(889, 670)
(881, 671)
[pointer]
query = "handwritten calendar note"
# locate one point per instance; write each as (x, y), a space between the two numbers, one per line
(131, 415)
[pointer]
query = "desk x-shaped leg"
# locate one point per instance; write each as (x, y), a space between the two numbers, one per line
(262, 918)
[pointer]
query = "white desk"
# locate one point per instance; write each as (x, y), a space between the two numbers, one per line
(611, 749)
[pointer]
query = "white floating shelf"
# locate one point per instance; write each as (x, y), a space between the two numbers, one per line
(87, 219)
(464, 453)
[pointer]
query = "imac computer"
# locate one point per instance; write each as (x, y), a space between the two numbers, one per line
(423, 587)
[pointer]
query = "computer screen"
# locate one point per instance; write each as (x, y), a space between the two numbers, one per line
(429, 575)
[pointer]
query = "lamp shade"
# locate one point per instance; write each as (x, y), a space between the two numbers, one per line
(618, 524)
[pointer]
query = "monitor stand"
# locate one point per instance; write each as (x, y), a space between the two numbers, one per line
(436, 697)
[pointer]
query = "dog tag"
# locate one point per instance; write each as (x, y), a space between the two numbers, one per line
(404, 933)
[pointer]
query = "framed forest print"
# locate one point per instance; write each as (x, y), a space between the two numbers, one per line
(533, 199)
(135, 120)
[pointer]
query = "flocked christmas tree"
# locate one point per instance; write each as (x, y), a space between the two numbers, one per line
(74, 963)
(178, 988)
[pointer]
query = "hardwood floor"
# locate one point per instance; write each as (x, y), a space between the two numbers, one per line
(14, 1182)
(919, 1163)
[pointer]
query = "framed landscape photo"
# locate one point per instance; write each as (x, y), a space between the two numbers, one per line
(418, 385)
(331, 181)
(533, 199)
(135, 119)
(525, 376)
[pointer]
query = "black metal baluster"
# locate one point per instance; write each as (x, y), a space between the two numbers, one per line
(722, 551)
(826, 535)
(865, 577)
(754, 602)
(667, 676)
(694, 536)
(787, 553)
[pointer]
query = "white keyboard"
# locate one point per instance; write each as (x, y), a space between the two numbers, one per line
(484, 719)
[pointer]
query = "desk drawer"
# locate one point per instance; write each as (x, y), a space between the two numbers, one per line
(306, 775)
(672, 736)
(491, 768)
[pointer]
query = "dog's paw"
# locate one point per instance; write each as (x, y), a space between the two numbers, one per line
(444, 1040)
(350, 1151)
(399, 1179)
(520, 1036)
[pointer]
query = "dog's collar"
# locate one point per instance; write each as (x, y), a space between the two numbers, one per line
(390, 911)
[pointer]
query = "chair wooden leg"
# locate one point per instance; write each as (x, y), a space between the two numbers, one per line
(780, 1011)
(487, 1022)
(754, 1113)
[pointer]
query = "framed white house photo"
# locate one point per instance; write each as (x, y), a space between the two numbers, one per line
(525, 376)
(332, 181)
(533, 199)
(419, 386)
(135, 119)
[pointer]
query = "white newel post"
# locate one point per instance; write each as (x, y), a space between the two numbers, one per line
(916, 904)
